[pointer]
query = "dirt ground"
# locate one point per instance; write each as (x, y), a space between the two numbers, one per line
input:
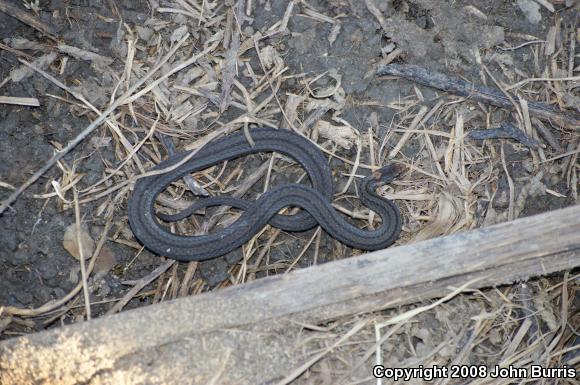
(321, 73)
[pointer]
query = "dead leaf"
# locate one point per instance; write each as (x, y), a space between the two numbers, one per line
(105, 261)
(269, 56)
(344, 136)
(334, 33)
(71, 245)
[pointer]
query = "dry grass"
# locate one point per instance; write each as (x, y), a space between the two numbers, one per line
(527, 324)
(188, 89)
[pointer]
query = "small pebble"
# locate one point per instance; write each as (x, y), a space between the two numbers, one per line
(10, 241)
(47, 269)
(21, 257)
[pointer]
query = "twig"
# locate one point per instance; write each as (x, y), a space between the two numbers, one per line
(573, 152)
(546, 134)
(531, 80)
(184, 289)
(505, 130)
(571, 51)
(24, 17)
(478, 93)
(16, 52)
(82, 255)
(140, 284)
(30, 102)
(521, 45)
(511, 186)
(304, 249)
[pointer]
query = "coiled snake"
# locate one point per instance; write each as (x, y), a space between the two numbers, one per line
(314, 201)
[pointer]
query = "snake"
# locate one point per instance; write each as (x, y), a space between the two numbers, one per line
(314, 201)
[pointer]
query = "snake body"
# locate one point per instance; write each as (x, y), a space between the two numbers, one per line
(315, 201)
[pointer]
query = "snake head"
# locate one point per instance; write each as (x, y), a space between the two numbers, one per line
(389, 172)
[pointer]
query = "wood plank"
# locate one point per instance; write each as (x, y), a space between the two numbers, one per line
(142, 344)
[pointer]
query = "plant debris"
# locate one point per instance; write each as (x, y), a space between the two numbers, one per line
(123, 85)
(505, 130)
